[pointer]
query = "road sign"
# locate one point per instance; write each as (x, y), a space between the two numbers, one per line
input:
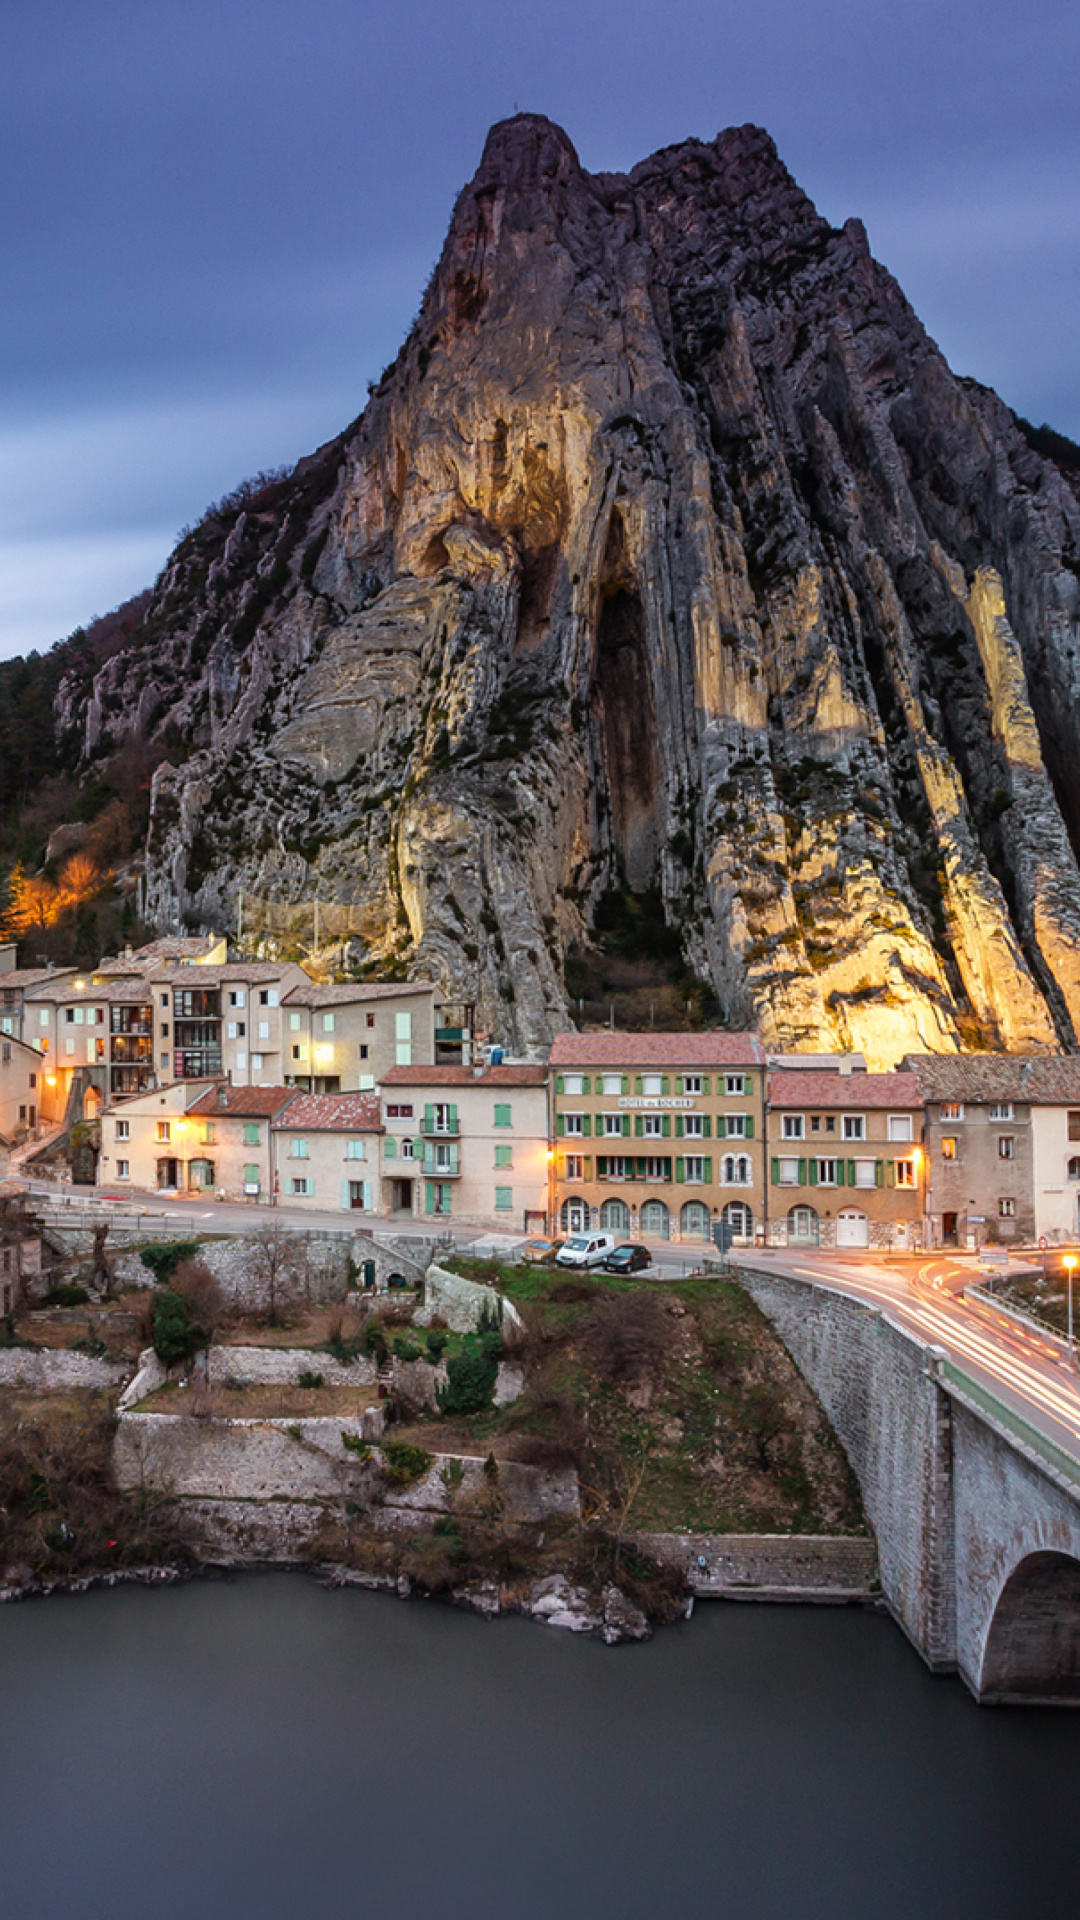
(1043, 1242)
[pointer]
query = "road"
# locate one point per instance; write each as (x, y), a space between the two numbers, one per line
(1031, 1373)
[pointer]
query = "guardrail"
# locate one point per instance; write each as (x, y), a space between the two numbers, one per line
(1063, 1462)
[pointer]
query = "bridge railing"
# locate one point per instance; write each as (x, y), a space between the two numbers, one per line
(1063, 1462)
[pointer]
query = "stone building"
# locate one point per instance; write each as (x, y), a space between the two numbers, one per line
(845, 1159)
(467, 1143)
(342, 1038)
(27, 1100)
(325, 1151)
(192, 1137)
(657, 1134)
(1003, 1146)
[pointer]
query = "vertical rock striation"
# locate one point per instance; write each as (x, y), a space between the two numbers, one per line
(669, 555)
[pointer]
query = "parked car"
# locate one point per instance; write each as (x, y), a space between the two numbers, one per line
(628, 1259)
(585, 1250)
(536, 1251)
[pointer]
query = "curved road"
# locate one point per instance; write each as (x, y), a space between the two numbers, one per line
(1029, 1372)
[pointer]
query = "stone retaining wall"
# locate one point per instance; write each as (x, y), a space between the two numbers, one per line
(770, 1566)
(462, 1304)
(57, 1370)
(282, 1366)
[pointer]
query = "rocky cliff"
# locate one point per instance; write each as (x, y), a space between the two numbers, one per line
(668, 556)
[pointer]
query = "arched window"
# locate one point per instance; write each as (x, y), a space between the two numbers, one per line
(615, 1216)
(201, 1174)
(695, 1221)
(574, 1215)
(1074, 1169)
(802, 1224)
(739, 1218)
(655, 1220)
(736, 1170)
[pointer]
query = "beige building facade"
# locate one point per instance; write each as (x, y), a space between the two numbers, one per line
(846, 1160)
(467, 1144)
(326, 1152)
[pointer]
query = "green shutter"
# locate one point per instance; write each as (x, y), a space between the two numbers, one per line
(721, 1127)
(706, 1083)
(775, 1171)
(879, 1173)
(748, 1127)
(429, 1123)
(850, 1173)
(429, 1196)
(560, 1124)
(840, 1173)
(626, 1083)
(641, 1167)
(639, 1084)
(639, 1125)
(389, 1147)
(665, 1083)
(890, 1172)
(560, 1086)
(586, 1083)
(680, 1168)
(680, 1126)
(453, 1120)
(626, 1126)
(812, 1170)
(708, 1169)
(601, 1166)
(802, 1173)
(586, 1125)
(665, 1127)
(345, 1196)
(706, 1126)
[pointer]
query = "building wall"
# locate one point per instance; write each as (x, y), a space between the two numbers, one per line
(497, 1173)
(893, 1212)
(130, 1146)
(654, 1114)
(1055, 1157)
(355, 1042)
(974, 1184)
(26, 1099)
(330, 1165)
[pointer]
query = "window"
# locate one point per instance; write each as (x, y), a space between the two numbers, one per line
(789, 1173)
(691, 1083)
(294, 1023)
(123, 1129)
(298, 1150)
(397, 1112)
(1073, 1169)
(865, 1173)
(826, 1173)
(1006, 1209)
(164, 1029)
(164, 1130)
(264, 1029)
(235, 1030)
(735, 1083)
(613, 1083)
(658, 1168)
(504, 1199)
(371, 1019)
(251, 1133)
(268, 997)
(574, 1083)
(1074, 1126)
(612, 1124)
(164, 1062)
(403, 1039)
(238, 997)
(694, 1169)
(693, 1126)
(406, 1149)
(735, 1126)
(69, 1044)
(365, 1083)
(298, 1053)
(575, 1167)
(241, 1060)
(652, 1085)
(504, 1156)
(43, 1018)
(904, 1173)
(735, 1170)
(354, 1150)
(900, 1126)
(164, 999)
(362, 1050)
(792, 1126)
(502, 1115)
(948, 1147)
(815, 1123)
(573, 1123)
(652, 1126)
(1006, 1146)
(611, 1167)
(1002, 1110)
(257, 1060)
(951, 1110)
(123, 1169)
(301, 1187)
(854, 1126)
(209, 1134)
(327, 1023)
(440, 1196)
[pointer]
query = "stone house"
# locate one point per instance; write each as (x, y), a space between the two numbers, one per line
(344, 1038)
(845, 1159)
(467, 1143)
(192, 1137)
(1003, 1147)
(27, 1100)
(657, 1134)
(325, 1149)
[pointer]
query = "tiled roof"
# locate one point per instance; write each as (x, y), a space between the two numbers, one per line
(247, 1102)
(504, 1076)
(332, 1113)
(847, 1090)
(1041, 1080)
(100, 993)
(239, 973)
(354, 992)
(656, 1050)
(26, 977)
(817, 1062)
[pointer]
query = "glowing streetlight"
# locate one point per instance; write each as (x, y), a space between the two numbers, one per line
(1069, 1263)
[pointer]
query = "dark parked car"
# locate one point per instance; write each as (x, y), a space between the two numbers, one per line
(628, 1259)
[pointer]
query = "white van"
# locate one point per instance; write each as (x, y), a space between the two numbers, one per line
(585, 1250)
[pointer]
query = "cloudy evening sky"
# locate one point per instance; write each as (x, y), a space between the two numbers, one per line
(218, 215)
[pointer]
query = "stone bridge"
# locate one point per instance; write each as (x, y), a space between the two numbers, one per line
(977, 1514)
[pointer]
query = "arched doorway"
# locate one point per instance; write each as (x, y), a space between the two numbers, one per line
(1033, 1646)
(574, 1215)
(852, 1228)
(739, 1218)
(695, 1221)
(655, 1220)
(802, 1226)
(615, 1216)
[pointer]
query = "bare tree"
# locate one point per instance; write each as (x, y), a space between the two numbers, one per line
(276, 1265)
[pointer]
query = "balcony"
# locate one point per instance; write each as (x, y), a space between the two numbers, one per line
(444, 1165)
(441, 1129)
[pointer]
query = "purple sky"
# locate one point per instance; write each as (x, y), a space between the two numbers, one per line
(218, 214)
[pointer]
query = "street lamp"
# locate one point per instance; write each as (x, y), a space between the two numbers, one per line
(1069, 1263)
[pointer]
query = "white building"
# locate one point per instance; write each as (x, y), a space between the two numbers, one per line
(467, 1143)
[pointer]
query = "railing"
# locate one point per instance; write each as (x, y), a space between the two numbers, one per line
(1063, 1462)
(440, 1129)
(448, 1169)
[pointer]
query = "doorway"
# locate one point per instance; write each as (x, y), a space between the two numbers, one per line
(949, 1234)
(852, 1228)
(403, 1196)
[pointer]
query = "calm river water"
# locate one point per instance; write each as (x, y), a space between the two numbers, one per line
(264, 1748)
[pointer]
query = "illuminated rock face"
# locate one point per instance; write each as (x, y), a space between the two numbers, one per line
(669, 553)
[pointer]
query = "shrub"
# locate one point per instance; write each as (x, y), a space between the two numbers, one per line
(309, 1379)
(436, 1345)
(196, 1285)
(373, 1341)
(406, 1349)
(355, 1445)
(162, 1258)
(405, 1465)
(171, 1328)
(470, 1380)
(66, 1295)
(626, 1337)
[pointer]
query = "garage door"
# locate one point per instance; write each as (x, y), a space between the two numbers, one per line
(852, 1228)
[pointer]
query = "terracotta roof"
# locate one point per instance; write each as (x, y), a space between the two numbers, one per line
(504, 1076)
(101, 993)
(354, 992)
(846, 1090)
(817, 1062)
(240, 973)
(1041, 1080)
(332, 1113)
(25, 977)
(247, 1102)
(656, 1050)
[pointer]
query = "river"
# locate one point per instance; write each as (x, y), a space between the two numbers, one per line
(265, 1748)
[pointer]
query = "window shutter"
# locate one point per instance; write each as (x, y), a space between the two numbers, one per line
(890, 1173)
(559, 1084)
(429, 1122)
(802, 1173)
(706, 1083)
(680, 1168)
(588, 1166)
(775, 1173)
(812, 1170)
(639, 1084)
(679, 1083)
(586, 1125)
(365, 1194)
(721, 1127)
(850, 1172)
(429, 1197)
(706, 1126)
(879, 1173)
(639, 1125)
(748, 1127)
(680, 1127)
(665, 1127)
(601, 1166)
(453, 1120)
(560, 1124)
(625, 1083)
(708, 1169)
(665, 1083)
(345, 1193)
(626, 1125)
(586, 1083)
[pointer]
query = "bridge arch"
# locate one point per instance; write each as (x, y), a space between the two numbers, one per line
(1032, 1652)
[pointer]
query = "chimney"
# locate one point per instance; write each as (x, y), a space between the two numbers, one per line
(222, 1097)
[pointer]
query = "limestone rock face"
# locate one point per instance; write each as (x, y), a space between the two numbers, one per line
(668, 554)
